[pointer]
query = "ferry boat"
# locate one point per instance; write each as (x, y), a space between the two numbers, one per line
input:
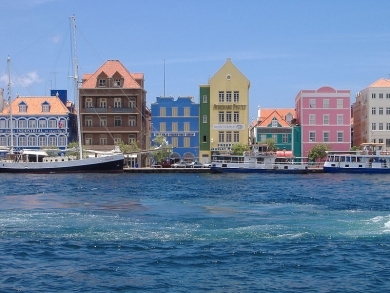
(258, 160)
(370, 158)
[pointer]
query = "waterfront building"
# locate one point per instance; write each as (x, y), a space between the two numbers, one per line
(37, 122)
(113, 109)
(224, 111)
(324, 117)
(280, 125)
(177, 121)
(371, 114)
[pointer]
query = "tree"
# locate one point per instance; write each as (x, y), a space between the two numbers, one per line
(238, 149)
(271, 145)
(354, 148)
(163, 149)
(128, 148)
(318, 152)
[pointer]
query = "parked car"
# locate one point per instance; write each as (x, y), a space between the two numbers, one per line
(196, 165)
(179, 165)
(166, 164)
(207, 165)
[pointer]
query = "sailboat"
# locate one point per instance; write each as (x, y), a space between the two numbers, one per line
(39, 161)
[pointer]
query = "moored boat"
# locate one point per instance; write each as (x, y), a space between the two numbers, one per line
(370, 158)
(257, 161)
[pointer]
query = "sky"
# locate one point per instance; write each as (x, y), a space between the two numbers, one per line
(282, 46)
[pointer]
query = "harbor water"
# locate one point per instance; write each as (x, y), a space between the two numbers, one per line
(194, 233)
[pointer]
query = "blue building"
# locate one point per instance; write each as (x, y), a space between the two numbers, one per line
(177, 121)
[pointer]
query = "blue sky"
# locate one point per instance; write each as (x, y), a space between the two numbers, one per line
(280, 46)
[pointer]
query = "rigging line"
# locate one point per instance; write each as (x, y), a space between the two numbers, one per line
(21, 80)
(90, 45)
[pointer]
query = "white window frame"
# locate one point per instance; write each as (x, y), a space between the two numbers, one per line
(312, 119)
(325, 119)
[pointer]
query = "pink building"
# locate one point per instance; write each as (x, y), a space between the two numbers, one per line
(324, 116)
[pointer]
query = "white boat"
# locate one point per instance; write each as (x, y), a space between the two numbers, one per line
(370, 158)
(257, 161)
(39, 161)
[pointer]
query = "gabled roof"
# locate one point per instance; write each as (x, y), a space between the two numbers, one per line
(268, 114)
(34, 106)
(383, 82)
(110, 68)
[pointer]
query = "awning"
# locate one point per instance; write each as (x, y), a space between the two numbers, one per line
(286, 154)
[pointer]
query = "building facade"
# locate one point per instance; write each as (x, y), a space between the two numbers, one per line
(224, 111)
(37, 122)
(177, 121)
(112, 103)
(371, 114)
(324, 117)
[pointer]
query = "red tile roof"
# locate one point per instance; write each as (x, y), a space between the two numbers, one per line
(383, 82)
(268, 114)
(34, 106)
(110, 68)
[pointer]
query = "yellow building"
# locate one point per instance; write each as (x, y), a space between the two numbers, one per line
(224, 111)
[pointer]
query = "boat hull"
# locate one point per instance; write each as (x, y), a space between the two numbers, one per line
(357, 170)
(257, 170)
(108, 164)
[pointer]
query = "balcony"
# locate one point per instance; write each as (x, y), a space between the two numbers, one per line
(108, 110)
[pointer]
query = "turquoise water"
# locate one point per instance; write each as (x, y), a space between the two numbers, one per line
(194, 233)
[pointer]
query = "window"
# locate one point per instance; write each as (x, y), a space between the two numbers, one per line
(312, 103)
(340, 136)
(117, 139)
(204, 138)
(42, 141)
(88, 103)
(325, 103)
(229, 117)
(52, 123)
(186, 126)
(45, 108)
(186, 111)
(340, 119)
(52, 140)
(32, 124)
(380, 96)
(373, 110)
(132, 138)
(236, 97)
(41, 123)
(102, 82)
(204, 99)
(221, 136)
(387, 96)
(175, 143)
(132, 121)
(174, 126)
(186, 142)
(22, 141)
(88, 121)
(3, 141)
(174, 111)
(380, 140)
(236, 116)
(221, 117)
(163, 112)
(103, 121)
(387, 142)
(326, 119)
(236, 136)
(229, 97)
(23, 123)
(103, 139)
(312, 136)
(326, 136)
(380, 126)
(2, 125)
(204, 119)
(380, 112)
(373, 96)
(339, 103)
(132, 103)
(387, 126)
(163, 126)
(22, 108)
(103, 103)
(117, 103)
(284, 138)
(274, 122)
(117, 121)
(387, 110)
(32, 140)
(312, 119)
(117, 82)
(263, 137)
(62, 140)
(373, 126)
(221, 97)
(228, 136)
(88, 139)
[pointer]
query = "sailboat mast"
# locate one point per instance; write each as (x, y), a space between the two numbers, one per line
(10, 105)
(76, 86)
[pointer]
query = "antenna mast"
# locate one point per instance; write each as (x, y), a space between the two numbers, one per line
(10, 106)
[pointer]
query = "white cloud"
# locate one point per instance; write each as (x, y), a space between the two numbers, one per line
(25, 80)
